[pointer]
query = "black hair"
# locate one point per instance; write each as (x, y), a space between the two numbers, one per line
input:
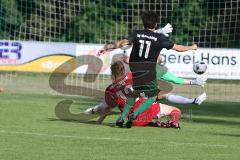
(149, 19)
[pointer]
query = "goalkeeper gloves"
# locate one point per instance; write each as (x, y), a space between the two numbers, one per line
(165, 30)
(201, 81)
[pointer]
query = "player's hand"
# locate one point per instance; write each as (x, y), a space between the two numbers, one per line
(101, 52)
(165, 30)
(194, 47)
(125, 59)
(168, 28)
(201, 81)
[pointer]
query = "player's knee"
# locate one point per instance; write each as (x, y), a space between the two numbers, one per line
(161, 97)
(176, 110)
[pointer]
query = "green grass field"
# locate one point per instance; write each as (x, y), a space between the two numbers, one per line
(30, 130)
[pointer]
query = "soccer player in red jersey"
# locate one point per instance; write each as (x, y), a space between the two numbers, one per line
(155, 112)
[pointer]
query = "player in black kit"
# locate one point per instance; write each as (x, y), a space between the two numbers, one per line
(147, 46)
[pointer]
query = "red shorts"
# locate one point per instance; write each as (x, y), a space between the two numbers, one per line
(147, 116)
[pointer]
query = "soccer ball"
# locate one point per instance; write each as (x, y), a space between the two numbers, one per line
(199, 67)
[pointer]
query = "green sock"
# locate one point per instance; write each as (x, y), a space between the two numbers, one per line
(129, 103)
(144, 106)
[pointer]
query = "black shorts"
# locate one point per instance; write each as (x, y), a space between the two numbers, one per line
(150, 89)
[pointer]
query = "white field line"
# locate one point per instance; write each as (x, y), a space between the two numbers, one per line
(111, 139)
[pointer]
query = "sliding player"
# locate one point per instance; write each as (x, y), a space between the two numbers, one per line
(155, 112)
(117, 93)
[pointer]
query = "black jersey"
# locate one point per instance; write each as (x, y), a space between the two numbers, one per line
(147, 46)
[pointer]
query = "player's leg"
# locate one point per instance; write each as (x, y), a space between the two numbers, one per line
(198, 100)
(126, 109)
(173, 112)
(102, 109)
(147, 117)
(173, 98)
(97, 109)
(144, 106)
(151, 91)
(129, 103)
(158, 110)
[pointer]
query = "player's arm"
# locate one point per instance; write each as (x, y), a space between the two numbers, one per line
(125, 59)
(181, 48)
(166, 43)
(112, 46)
(159, 59)
(165, 30)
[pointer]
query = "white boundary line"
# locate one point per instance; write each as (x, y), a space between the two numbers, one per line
(112, 139)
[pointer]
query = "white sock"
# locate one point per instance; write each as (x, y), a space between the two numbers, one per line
(179, 99)
(100, 107)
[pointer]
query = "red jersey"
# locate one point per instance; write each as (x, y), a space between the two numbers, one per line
(118, 91)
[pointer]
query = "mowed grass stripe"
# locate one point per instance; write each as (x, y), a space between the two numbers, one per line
(29, 129)
(111, 139)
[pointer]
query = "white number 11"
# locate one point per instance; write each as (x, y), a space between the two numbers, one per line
(142, 42)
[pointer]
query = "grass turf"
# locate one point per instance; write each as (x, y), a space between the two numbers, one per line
(30, 130)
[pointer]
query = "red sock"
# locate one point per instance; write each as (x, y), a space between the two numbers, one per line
(175, 116)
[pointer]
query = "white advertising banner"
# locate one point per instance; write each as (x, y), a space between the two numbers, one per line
(47, 56)
(20, 52)
(221, 63)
